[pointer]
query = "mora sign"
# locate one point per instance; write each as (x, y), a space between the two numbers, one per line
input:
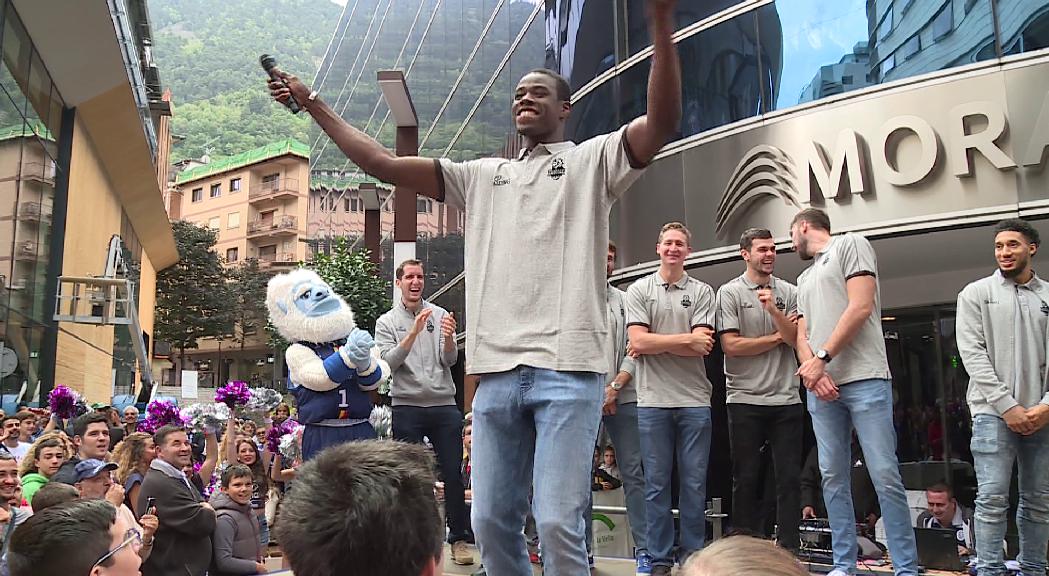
(905, 151)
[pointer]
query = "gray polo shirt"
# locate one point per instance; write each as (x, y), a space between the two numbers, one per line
(1031, 319)
(822, 299)
(536, 248)
(615, 346)
(766, 379)
(668, 380)
(422, 375)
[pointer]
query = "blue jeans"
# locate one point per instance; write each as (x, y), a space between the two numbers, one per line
(443, 425)
(865, 406)
(995, 448)
(534, 427)
(622, 428)
(664, 433)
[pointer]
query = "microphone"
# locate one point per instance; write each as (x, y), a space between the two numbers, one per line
(269, 64)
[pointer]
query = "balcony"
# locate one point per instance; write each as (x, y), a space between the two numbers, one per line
(280, 226)
(276, 190)
(39, 172)
(278, 259)
(34, 212)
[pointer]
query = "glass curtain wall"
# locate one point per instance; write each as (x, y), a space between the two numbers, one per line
(30, 122)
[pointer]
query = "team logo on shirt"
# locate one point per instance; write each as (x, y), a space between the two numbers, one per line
(500, 180)
(780, 305)
(429, 325)
(557, 169)
(1045, 308)
(686, 301)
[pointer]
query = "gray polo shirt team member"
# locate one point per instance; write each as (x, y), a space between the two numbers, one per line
(843, 364)
(670, 316)
(417, 339)
(1002, 338)
(620, 409)
(536, 232)
(756, 325)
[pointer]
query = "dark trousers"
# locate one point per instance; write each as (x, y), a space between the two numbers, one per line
(750, 427)
(443, 425)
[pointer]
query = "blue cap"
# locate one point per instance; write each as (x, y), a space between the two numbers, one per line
(91, 467)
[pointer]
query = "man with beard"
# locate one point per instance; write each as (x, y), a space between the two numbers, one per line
(756, 324)
(183, 544)
(417, 340)
(1001, 332)
(844, 367)
(536, 232)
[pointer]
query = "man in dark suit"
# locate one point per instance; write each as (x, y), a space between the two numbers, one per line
(183, 541)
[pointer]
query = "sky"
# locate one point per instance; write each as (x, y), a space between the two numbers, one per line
(816, 33)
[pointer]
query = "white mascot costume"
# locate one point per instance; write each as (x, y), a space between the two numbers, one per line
(330, 365)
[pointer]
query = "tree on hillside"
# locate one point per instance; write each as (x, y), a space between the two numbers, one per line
(247, 286)
(193, 300)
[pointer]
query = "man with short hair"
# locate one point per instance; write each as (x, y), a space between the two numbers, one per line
(91, 439)
(536, 232)
(1002, 327)
(85, 537)
(944, 511)
(417, 340)
(756, 325)
(116, 429)
(670, 319)
(843, 365)
(10, 516)
(94, 480)
(130, 420)
(620, 414)
(27, 428)
(186, 522)
(12, 431)
(387, 488)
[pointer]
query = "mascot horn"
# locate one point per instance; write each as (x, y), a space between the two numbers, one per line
(330, 366)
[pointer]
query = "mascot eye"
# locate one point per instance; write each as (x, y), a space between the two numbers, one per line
(304, 296)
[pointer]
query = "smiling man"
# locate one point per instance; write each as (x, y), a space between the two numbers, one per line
(417, 340)
(1002, 338)
(756, 320)
(670, 322)
(536, 234)
(91, 438)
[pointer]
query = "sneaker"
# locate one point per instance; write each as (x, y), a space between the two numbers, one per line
(661, 570)
(461, 554)
(644, 564)
(837, 572)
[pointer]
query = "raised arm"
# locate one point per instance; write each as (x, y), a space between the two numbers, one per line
(211, 457)
(647, 134)
(419, 174)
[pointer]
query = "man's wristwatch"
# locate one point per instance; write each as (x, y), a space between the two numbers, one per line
(823, 355)
(615, 385)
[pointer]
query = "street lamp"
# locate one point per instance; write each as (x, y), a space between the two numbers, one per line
(405, 220)
(369, 196)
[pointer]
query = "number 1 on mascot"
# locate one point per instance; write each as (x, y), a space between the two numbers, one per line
(330, 366)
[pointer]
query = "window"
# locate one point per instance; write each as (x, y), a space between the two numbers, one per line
(216, 190)
(198, 194)
(213, 223)
(422, 205)
(323, 205)
(271, 181)
(233, 220)
(909, 48)
(353, 204)
(888, 64)
(231, 254)
(234, 185)
(943, 23)
(886, 25)
(846, 79)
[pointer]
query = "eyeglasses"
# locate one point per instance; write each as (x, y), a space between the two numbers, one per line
(132, 538)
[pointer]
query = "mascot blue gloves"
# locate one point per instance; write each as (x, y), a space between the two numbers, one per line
(330, 364)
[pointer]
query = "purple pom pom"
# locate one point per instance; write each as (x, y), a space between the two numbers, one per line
(233, 394)
(160, 413)
(63, 402)
(278, 431)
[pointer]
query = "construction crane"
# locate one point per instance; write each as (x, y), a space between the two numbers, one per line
(106, 300)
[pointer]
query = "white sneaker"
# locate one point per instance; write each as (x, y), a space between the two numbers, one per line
(837, 572)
